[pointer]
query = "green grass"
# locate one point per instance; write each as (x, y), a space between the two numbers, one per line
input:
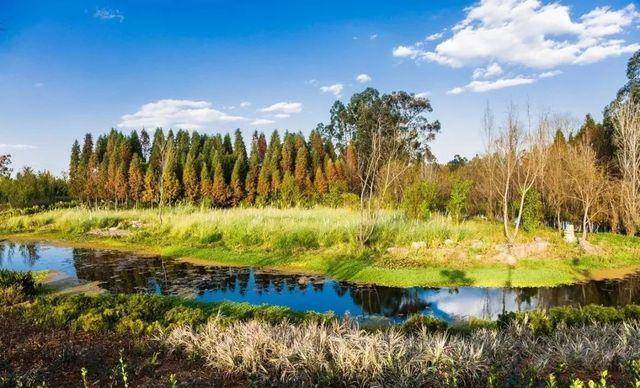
(322, 241)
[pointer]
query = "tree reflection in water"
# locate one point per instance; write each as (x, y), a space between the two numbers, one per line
(127, 273)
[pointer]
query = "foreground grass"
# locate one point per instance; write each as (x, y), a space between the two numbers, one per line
(156, 340)
(321, 241)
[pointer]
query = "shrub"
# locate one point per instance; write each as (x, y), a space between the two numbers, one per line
(22, 281)
(532, 213)
(419, 200)
(457, 204)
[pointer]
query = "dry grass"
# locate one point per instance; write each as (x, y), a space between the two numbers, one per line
(341, 354)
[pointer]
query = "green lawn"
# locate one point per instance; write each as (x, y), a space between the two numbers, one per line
(321, 241)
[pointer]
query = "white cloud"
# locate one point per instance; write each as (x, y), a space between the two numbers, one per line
(549, 74)
(245, 104)
(491, 70)
(373, 37)
(529, 33)
(262, 122)
(334, 89)
(435, 36)
(423, 95)
(363, 78)
(108, 14)
(17, 146)
(185, 114)
(282, 116)
(485, 86)
(283, 107)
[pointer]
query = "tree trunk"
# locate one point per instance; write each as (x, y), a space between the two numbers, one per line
(584, 222)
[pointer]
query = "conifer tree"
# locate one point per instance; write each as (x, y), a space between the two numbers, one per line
(320, 183)
(262, 147)
(329, 170)
(121, 187)
(219, 190)
(263, 188)
(288, 158)
(237, 183)
(87, 149)
(205, 181)
(302, 166)
(317, 149)
(170, 190)
(190, 178)
(91, 189)
(289, 191)
(253, 171)
(151, 192)
(75, 181)
(136, 179)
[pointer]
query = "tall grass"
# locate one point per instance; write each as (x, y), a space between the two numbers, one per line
(341, 354)
(263, 228)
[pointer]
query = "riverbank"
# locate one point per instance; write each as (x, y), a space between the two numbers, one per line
(321, 241)
(149, 340)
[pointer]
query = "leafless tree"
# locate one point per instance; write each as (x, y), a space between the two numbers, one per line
(626, 120)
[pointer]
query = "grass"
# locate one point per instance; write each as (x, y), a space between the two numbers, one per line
(402, 252)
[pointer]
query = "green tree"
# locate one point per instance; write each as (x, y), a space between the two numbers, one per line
(289, 191)
(205, 181)
(190, 178)
(237, 182)
(171, 188)
(302, 166)
(219, 190)
(75, 171)
(253, 172)
(457, 204)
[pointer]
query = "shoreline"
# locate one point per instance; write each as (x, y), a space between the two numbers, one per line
(367, 274)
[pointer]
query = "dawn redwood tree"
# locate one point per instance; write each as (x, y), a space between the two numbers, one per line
(236, 185)
(301, 172)
(205, 181)
(170, 186)
(136, 179)
(219, 190)
(190, 178)
(385, 130)
(263, 188)
(75, 179)
(319, 182)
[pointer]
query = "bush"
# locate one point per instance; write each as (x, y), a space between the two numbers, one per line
(419, 200)
(457, 204)
(21, 281)
(532, 214)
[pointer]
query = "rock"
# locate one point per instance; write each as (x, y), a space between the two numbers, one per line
(417, 245)
(589, 248)
(136, 224)
(569, 234)
(398, 251)
(520, 251)
(476, 244)
(506, 258)
(110, 232)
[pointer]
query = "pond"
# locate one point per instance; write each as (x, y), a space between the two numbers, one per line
(121, 272)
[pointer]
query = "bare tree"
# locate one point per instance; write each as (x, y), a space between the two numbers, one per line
(626, 121)
(520, 156)
(587, 180)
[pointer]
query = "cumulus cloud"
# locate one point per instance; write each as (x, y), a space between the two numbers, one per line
(186, 114)
(108, 14)
(245, 104)
(373, 37)
(334, 89)
(423, 95)
(262, 122)
(282, 115)
(283, 107)
(529, 33)
(363, 78)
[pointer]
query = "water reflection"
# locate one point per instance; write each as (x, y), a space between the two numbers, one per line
(122, 272)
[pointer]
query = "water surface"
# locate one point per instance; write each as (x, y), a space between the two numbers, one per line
(121, 272)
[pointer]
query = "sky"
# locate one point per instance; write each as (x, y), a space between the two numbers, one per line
(72, 67)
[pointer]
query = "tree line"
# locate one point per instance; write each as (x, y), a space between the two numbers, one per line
(168, 167)
(29, 188)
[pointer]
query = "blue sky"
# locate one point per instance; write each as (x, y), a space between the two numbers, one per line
(71, 67)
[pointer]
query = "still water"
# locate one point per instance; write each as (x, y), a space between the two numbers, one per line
(128, 273)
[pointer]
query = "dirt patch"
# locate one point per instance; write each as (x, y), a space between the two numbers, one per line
(109, 232)
(32, 354)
